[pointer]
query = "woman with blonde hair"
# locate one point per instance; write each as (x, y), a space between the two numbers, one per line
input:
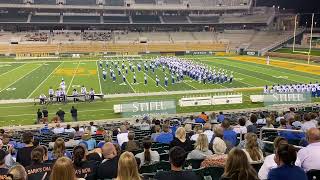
(201, 150)
(237, 167)
(181, 140)
(63, 170)
(127, 167)
(17, 172)
(59, 150)
(252, 150)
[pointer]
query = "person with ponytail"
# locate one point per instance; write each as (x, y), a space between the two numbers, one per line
(38, 168)
(83, 168)
(148, 156)
(252, 149)
(285, 158)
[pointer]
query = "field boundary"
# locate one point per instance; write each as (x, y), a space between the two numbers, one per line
(111, 96)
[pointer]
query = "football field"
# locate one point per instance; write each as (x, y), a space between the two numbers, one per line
(29, 79)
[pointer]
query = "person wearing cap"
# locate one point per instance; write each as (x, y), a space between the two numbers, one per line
(91, 143)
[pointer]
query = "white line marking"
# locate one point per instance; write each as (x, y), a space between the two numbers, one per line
(156, 82)
(99, 77)
(19, 79)
(12, 70)
(44, 80)
(74, 74)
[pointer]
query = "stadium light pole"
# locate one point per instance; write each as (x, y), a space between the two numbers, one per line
(310, 42)
(294, 32)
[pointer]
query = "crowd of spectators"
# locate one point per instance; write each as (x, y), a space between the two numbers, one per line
(122, 152)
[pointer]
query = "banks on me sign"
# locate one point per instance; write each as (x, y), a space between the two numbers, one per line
(286, 98)
(145, 108)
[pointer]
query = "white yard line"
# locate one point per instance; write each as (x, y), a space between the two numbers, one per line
(12, 70)
(130, 85)
(74, 74)
(99, 77)
(44, 81)
(20, 78)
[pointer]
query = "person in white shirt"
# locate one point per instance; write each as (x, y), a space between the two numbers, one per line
(262, 119)
(51, 94)
(309, 157)
(93, 128)
(269, 162)
(241, 127)
(58, 129)
(198, 130)
(148, 156)
(307, 123)
(207, 131)
(123, 135)
(145, 125)
(69, 129)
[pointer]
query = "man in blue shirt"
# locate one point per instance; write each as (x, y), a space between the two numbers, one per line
(220, 117)
(165, 137)
(228, 134)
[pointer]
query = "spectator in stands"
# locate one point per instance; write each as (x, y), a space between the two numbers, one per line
(91, 143)
(198, 130)
(280, 116)
(155, 135)
(145, 125)
(109, 166)
(128, 167)
(189, 131)
(107, 137)
(24, 154)
(166, 136)
(148, 156)
(220, 117)
(208, 131)
(177, 157)
(201, 150)
(100, 131)
(269, 123)
(72, 142)
(269, 162)
(202, 118)
(84, 168)
(290, 114)
(309, 156)
(3, 167)
(137, 124)
(262, 119)
(252, 150)
(285, 158)
(63, 170)
(93, 128)
(60, 113)
(123, 135)
(284, 124)
(38, 157)
(58, 129)
(237, 167)
(253, 127)
(74, 114)
(59, 150)
(69, 129)
(228, 134)
(314, 118)
(219, 158)
(131, 145)
(45, 129)
(77, 132)
(17, 172)
(241, 127)
(307, 123)
(181, 140)
(213, 117)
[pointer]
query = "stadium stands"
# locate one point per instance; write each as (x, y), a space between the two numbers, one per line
(145, 19)
(14, 16)
(81, 2)
(204, 19)
(175, 19)
(145, 2)
(12, 1)
(45, 19)
(114, 2)
(116, 19)
(81, 19)
(51, 2)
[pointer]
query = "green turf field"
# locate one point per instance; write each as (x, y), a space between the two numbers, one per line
(314, 52)
(28, 79)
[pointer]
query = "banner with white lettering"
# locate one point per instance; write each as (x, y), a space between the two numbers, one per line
(146, 108)
(286, 98)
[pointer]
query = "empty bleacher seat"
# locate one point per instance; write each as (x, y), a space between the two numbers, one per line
(145, 2)
(146, 19)
(42, 18)
(81, 2)
(51, 2)
(114, 2)
(175, 19)
(11, 1)
(116, 19)
(204, 19)
(13, 17)
(81, 19)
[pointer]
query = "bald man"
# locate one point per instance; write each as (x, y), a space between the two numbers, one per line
(309, 157)
(109, 166)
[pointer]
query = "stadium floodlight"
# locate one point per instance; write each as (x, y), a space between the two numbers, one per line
(311, 35)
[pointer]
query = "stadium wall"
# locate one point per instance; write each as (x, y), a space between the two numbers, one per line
(293, 56)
